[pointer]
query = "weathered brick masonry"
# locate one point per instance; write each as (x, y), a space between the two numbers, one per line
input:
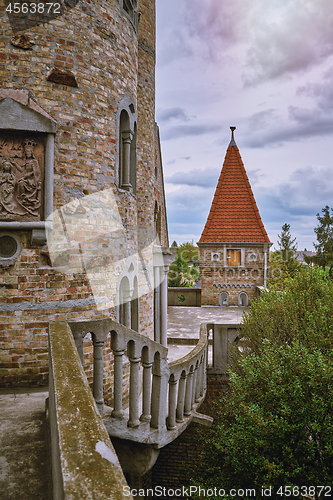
(83, 68)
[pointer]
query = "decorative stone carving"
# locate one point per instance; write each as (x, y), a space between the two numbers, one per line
(21, 177)
(234, 285)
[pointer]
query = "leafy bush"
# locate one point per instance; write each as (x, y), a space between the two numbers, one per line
(276, 426)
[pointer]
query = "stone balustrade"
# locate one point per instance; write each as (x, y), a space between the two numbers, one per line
(84, 462)
(163, 397)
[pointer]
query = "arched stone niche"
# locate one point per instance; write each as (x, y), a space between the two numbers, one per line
(26, 164)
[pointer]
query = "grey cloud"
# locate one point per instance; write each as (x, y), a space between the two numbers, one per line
(260, 120)
(186, 130)
(169, 114)
(305, 193)
(288, 38)
(185, 158)
(205, 178)
(322, 92)
(189, 204)
(303, 123)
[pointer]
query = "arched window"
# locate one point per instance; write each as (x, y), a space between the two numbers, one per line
(243, 299)
(125, 139)
(127, 133)
(131, 9)
(223, 299)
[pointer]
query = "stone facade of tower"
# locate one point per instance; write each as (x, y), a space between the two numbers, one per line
(234, 244)
(78, 140)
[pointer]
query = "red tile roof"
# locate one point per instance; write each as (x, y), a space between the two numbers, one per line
(234, 215)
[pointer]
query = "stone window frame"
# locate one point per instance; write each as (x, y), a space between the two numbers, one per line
(126, 126)
(221, 301)
(130, 9)
(10, 261)
(19, 113)
(240, 300)
(242, 250)
(217, 258)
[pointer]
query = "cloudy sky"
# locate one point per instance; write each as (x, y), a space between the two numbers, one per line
(265, 67)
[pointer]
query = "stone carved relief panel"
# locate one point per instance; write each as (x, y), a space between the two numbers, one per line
(21, 177)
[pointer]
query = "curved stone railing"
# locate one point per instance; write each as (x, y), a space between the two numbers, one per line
(163, 398)
(84, 462)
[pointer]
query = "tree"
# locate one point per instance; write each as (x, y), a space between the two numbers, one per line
(324, 233)
(181, 273)
(282, 263)
(287, 246)
(302, 312)
(275, 425)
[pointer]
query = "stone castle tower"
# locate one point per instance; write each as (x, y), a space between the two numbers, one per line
(234, 243)
(82, 207)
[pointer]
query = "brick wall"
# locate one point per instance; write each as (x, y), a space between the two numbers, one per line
(97, 42)
(215, 276)
(172, 468)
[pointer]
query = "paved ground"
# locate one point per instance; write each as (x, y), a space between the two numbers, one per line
(184, 324)
(24, 463)
(24, 460)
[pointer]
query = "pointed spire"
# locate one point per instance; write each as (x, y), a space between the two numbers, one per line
(232, 142)
(234, 215)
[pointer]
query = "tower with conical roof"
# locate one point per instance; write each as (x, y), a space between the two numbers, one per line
(234, 243)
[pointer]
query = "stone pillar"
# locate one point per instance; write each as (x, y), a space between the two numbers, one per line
(146, 392)
(134, 393)
(127, 313)
(181, 399)
(126, 158)
(118, 385)
(157, 302)
(164, 307)
(188, 395)
(98, 374)
(159, 391)
(172, 404)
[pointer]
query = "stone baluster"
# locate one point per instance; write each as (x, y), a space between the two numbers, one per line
(172, 403)
(181, 398)
(98, 374)
(158, 397)
(198, 382)
(194, 384)
(146, 392)
(134, 393)
(203, 374)
(118, 385)
(188, 395)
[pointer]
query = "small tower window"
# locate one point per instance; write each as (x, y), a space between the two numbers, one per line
(127, 154)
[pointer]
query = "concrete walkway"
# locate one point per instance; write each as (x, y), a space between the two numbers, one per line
(184, 325)
(24, 455)
(24, 461)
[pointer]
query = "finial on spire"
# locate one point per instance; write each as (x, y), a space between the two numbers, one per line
(232, 142)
